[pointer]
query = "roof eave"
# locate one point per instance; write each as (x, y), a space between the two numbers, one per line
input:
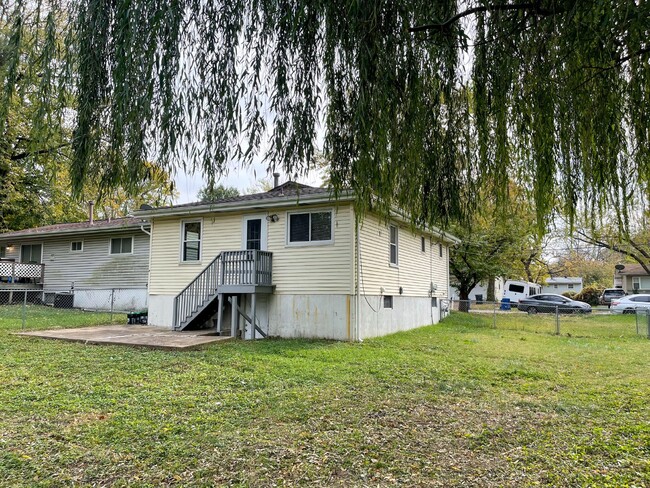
(89, 230)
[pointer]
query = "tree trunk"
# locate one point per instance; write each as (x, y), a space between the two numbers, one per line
(490, 290)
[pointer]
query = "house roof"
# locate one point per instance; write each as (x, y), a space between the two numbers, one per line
(290, 192)
(632, 269)
(77, 228)
(563, 280)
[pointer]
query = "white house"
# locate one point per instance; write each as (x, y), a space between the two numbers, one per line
(562, 284)
(632, 278)
(480, 291)
(296, 263)
(97, 263)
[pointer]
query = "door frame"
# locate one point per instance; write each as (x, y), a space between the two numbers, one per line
(264, 237)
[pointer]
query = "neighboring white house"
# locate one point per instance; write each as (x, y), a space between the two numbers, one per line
(295, 262)
(100, 263)
(562, 284)
(479, 292)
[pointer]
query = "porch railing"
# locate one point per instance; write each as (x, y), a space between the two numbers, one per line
(250, 267)
(12, 272)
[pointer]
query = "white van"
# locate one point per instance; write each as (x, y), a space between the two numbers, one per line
(516, 290)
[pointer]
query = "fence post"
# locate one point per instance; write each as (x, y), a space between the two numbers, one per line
(494, 318)
(24, 309)
(112, 301)
(647, 313)
(636, 320)
(557, 320)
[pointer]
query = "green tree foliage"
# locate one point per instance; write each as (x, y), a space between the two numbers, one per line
(590, 295)
(211, 193)
(554, 92)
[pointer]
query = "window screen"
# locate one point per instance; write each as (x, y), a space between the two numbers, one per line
(310, 227)
(30, 253)
(122, 245)
(191, 241)
(393, 245)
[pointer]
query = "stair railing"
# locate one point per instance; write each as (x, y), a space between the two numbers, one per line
(195, 295)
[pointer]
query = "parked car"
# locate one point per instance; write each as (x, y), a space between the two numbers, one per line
(611, 293)
(630, 303)
(549, 302)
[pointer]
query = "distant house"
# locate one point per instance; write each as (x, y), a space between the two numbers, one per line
(561, 284)
(632, 278)
(294, 262)
(480, 291)
(86, 259)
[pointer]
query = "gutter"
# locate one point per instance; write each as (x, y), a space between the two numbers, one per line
(93, 230)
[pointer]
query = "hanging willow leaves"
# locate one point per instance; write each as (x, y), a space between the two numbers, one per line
(422, 101)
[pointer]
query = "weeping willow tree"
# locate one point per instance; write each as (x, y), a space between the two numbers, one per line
(419, 103)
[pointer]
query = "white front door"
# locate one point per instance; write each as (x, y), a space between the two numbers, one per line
(254, 232)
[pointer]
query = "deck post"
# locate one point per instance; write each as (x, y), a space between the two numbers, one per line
(234, 317)
(219, 312)
(254, 313)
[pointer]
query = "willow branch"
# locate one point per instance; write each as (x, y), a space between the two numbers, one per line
(533, 6)
(26, 154)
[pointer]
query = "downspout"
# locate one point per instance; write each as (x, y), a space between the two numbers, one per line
(145, 231)
(358, 297)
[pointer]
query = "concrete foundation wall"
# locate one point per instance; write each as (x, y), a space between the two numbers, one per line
(311, 316)
(407, 313)
(161, 310)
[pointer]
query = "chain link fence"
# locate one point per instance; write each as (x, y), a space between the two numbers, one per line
(560, 319)
(34, 307)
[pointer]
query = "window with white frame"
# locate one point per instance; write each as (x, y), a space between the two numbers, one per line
(570, 286)
(394, 244)
(310, 227)
(31, 253)
(191, 247)
(121, 245)
(76, 246)
(636, 283)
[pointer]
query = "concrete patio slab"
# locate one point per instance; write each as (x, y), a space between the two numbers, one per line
(132, 335)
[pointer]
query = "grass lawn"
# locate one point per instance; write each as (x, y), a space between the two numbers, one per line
(458, 404)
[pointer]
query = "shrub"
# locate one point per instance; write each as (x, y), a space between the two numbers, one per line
(590, 295)
(570, 294)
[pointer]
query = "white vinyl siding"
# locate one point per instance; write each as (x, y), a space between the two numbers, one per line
(94, 267)
(414, 274)
(309, 269)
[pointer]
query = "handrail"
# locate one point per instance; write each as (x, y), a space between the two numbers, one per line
(247, 267)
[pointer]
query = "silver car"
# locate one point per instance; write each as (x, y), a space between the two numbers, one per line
(630, 303)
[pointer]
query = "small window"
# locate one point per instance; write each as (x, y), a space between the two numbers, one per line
(122, 245)
(570, 286)
(310, 227)
(76, 246)
(440, 249)
(388, 301)
(191, 242)
(517, 288)
(434, 302)
(423, 244)
(554, 286)
(3, 252)
(393, 247)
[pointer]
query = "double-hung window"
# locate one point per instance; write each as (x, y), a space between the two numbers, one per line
(310, 227)
(393, 247)
(191, 245)
(31, 253)
(121, 245)
(636, 282)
